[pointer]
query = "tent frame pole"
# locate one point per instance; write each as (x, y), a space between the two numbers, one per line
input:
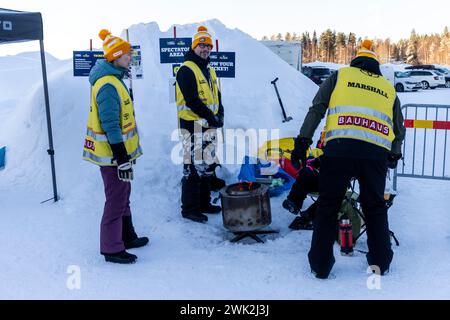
(50, 151)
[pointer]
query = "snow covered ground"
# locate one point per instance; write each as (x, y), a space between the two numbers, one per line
(51, 251)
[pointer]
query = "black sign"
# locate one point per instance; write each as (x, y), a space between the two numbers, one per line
(224, 63)
(18, 26)
(173, 50)
(83, 61)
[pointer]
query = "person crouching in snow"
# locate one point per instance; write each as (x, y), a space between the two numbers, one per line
(306, 182)
(200, 113)
(112, 142)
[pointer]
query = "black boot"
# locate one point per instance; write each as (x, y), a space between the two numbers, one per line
(122, 257)
(129, 236)
(205, 196)
(190, 198)
(196, 217)
(301, 223)
(290, 206)
(211, 209)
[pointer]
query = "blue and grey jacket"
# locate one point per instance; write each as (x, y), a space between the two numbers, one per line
(108, 99)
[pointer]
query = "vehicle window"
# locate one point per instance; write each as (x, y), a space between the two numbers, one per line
(321, 72)
(399, 74)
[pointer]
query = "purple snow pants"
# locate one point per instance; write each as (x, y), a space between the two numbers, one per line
(117, 205)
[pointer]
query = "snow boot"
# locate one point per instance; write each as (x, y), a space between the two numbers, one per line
(196, 217)
(122, 257)
(211, 209)
(321, 276)
(301, 223)
(129, 236)
(290, 206)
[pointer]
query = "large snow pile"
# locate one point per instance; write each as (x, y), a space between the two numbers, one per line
(250, 103)
(44, 244)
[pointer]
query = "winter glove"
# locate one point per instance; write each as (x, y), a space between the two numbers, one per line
(124, 168)
(298, 155)
(392, 160)
(215, 121)
(120, 153)
(125, 172)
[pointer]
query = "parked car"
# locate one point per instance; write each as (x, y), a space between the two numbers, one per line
(317, 74)
(404, 82)
(400, 80)
(444, 71)
(430, 79)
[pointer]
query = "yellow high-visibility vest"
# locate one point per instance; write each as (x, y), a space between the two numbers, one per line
(361, 107)
(96, 146)
(208, 94)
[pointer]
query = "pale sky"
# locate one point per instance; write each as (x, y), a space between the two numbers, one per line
(68, 25)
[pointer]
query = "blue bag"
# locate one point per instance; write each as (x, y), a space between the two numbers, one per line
(250, 172)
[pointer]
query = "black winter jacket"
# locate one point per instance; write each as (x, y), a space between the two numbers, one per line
(351, 147)
(188, 86)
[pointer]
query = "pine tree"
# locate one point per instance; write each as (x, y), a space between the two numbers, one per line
(412, 56)
(351, 47)
(305, 47)
(288, 37)
(341, 47)
(314, 47)
(279, 37)
(327, 45)
(265, 38)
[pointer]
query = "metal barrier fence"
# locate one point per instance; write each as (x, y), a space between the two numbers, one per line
(425, 147)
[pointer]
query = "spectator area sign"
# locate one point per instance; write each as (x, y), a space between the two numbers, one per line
(173, 50)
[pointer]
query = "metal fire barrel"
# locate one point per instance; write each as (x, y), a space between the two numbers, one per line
(246, 207)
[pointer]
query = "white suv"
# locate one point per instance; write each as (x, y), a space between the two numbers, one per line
(428, 78)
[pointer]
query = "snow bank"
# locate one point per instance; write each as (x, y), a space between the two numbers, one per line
(250, 103)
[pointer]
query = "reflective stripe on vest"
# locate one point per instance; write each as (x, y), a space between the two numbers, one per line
(361, 111)
(97, 159)
(103, 138)
(207, 92)
(360, 135)
(361, 107)
(96, 148)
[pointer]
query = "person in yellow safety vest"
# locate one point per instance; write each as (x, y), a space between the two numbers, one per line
(364, 137)
(112, 142)
(200, 113)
